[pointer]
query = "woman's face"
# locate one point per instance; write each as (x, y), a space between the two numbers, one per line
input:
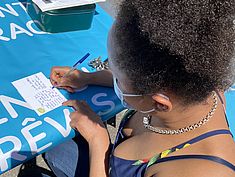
(138, 102)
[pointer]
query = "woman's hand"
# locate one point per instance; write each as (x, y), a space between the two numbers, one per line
(91, 127)
(87, 122)
(76, 80)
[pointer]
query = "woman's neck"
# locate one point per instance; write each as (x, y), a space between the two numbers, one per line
(180, 117)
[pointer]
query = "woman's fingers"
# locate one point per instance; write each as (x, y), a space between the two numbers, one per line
(75, 80)
(57, 73)
(73, 122)
(69, 89)
(72, 103)
(86, 121)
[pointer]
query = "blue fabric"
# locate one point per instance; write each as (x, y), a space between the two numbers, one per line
(230, 111)
(203, 136)
(205, 157)
(70, 159)
(63, 158)
(124, 168)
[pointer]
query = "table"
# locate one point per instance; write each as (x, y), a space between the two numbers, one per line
(25, 50)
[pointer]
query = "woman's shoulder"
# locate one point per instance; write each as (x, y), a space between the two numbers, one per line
(212, 157)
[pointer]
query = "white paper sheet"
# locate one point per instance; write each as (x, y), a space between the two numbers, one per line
(37, 91)
(46, 5)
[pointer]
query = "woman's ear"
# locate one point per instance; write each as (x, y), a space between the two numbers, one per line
(162, 102)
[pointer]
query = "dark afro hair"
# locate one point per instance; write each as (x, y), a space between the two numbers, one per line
(185, 47)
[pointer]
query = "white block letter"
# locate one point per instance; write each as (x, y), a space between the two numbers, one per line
(103, 103)
(2, 37)
(20, 4)
(64, 131)
(6, 101)
(29, 25)
(10, 10)
(19, 31)
(11, 153)
(33, 139)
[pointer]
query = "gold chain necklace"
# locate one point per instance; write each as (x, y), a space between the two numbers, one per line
(147, 119)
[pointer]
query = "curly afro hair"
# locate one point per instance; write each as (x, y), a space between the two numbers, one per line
(185, 47)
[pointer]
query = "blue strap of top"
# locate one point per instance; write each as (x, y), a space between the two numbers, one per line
(205, 157)
(203, 136)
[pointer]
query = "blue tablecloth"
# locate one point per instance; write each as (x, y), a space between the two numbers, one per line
(230, 108)
(25, 50)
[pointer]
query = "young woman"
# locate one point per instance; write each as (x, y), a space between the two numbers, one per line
(170, 63)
